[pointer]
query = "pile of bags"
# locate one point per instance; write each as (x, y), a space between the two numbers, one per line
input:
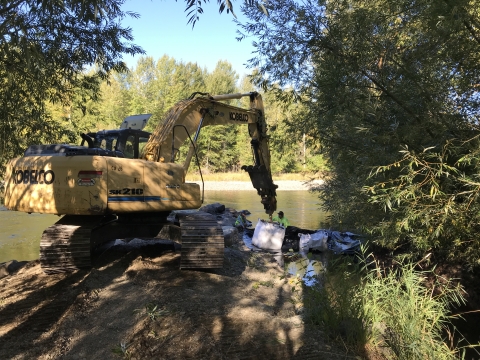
(323, 240)
(270, 236)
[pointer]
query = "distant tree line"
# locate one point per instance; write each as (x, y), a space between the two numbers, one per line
(154, 86)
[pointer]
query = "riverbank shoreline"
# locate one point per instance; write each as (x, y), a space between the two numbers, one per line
(136, 303)
(283, 185)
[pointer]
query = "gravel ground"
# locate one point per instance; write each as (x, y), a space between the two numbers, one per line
(283, 185)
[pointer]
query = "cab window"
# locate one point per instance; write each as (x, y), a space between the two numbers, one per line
(142, 141)
(106, 142)
(129, 147)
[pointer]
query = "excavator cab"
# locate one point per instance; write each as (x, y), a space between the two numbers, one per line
(128, 142)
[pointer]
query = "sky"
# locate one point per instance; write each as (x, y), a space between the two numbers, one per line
(162, 29)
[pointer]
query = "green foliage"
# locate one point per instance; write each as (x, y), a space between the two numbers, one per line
(316, 163)
(292, 149)
(433, 199)
(153, 87)
(402, 313)
(152, 311)
(194, 8)
(391, 90)
(44, 49)
(407, 316)
(334, 304)
(216, 145)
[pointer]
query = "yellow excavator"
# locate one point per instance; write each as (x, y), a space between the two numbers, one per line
(125, 182)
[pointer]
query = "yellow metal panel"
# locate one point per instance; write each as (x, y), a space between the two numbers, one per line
(166, 181)
(139, 185)
(126, 185)
(54, 185)
(95, 185)
(190, 192)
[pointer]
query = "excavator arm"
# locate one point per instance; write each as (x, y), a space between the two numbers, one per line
(188, 117)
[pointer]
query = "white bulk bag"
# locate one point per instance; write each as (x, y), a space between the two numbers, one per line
(304, 244)
(318, 240)
(268, 235)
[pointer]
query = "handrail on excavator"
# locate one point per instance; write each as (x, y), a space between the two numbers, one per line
(196, 156)
(230, 96)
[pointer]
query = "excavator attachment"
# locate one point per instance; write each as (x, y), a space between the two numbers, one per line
(191, 115)
(263, 183)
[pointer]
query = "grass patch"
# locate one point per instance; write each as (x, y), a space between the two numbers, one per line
(268, 283)
(393, 313)
(257, 284)
(153, 311)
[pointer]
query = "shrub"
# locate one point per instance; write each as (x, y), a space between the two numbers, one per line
(392, 311)
(334, 303)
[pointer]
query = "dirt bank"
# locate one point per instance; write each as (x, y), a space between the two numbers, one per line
(139, 305)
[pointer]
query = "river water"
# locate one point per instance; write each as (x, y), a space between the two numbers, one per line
(300, 207)
(20, 232)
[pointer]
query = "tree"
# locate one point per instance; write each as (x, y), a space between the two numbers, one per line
(105, 110)
(194, 8)
(155, 86)
(286, 129)
(391, 89)
(45, 48)
(217, 143)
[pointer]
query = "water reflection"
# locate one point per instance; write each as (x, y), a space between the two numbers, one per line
(20, 234)
(305, 266)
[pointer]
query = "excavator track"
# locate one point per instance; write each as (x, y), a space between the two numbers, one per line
(69, 243)
(65, 246)
(203, 243)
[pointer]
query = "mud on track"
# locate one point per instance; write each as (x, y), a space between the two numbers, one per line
(139, 305)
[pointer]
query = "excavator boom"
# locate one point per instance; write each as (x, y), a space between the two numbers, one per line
(188, 117)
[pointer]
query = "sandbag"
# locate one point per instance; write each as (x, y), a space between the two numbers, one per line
(268, 235)
(304, 243)
(319, 240)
